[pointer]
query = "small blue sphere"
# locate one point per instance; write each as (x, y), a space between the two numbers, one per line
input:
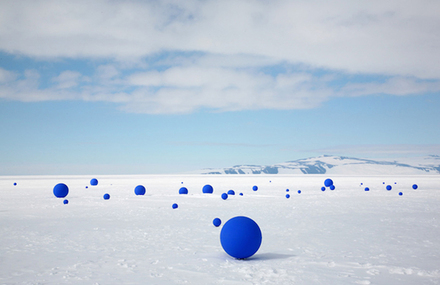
(241, 194)
(255, 188)
(332, 187)
(140, 190)
(15, 183)
(328, 182)
(106, 196)
(287, 196)
(224, 196)
(231, 192)
(217, 222)
(415, 186)
(94, 182)
(287, 190)
(400, 193)
(389, 187)
(367, 189)
(299, 191)
(175, 206)
(87, 187)
(241, 237)
(322, 188)
(65, 201)
(183, 190)
(207, 189)
(60, 190)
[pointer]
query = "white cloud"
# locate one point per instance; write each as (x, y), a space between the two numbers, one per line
(384, 37)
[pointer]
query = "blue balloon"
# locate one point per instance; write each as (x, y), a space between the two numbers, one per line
(322, 188)
(389, 187)
(231, 192)
(183, 190)
(287, 196)
(255, 188)
(140, 190)
(332, 187)
(241, 194)
(94, 182)
(65, 201)
(367, 189)
(328, 182)
(415, 186)
(106, 196)
(299, 191)
(217, 222)
(400, 193)
(208, 189)
(224, 196)
(60, 190)
(241, 237)
(175, 206)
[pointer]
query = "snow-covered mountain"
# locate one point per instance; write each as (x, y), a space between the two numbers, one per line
(329, 164)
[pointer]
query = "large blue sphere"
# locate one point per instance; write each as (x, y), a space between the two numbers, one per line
(389, 187)
(94, 182)
(207, 189)
(328, 182)
(241, 237)
(183, 190)
(415, 186)
(255, 188)
(60, 190)
(140, 190)
(106, 196)
(217, 222)
(224, 196)
(231, 192)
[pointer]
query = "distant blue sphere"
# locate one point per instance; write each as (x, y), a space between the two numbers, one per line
(299, 191)
(328, 182)
(241, 194)
(208, 189)
(60, 190)
(65, 201)
(217, 222)
(94, 182)
(332, 187)
(367, 189)
(255, 188)
(400, 193)
(287, 196)
(87, 187)
(389, 187)
(15, 183)
(287, 190)
(175, 206)
(183, 190)
(224, 196)
(106, 196)
(415, 186)
(231, 192)
(140, 190)
(362, 183)
(241, 237)
(322, 188)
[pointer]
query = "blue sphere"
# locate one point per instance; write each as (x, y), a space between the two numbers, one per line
(65, 201)
(224, 196)
(287, 196)
(140, 190)
(87, 187)
(231, 192)
(400, 193)
(241, 194)
(299, 191)
(60, 190)
(15, 183)
(207, 189)
(389, 187)
(322, 188)
(94, 182)
(217, 222)
(287, 190)
(106, 196)
(175, 206)
(367, 189)
(328, 182)
(332, 187)
(255, 188)
(415, 186)
(241, 237)
(183, 190)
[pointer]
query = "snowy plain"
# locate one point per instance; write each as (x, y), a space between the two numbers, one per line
(344, 236)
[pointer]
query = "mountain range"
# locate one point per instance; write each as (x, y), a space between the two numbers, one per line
(330, 164)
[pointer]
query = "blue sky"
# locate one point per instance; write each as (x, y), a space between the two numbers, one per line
(132, 87)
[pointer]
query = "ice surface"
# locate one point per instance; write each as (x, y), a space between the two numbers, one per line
(345, 236)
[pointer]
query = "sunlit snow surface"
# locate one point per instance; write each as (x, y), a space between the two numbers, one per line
(345, 236)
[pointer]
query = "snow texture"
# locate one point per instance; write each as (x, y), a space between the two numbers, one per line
(345, 236)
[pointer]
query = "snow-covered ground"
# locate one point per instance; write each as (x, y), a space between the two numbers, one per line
(345, 236)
